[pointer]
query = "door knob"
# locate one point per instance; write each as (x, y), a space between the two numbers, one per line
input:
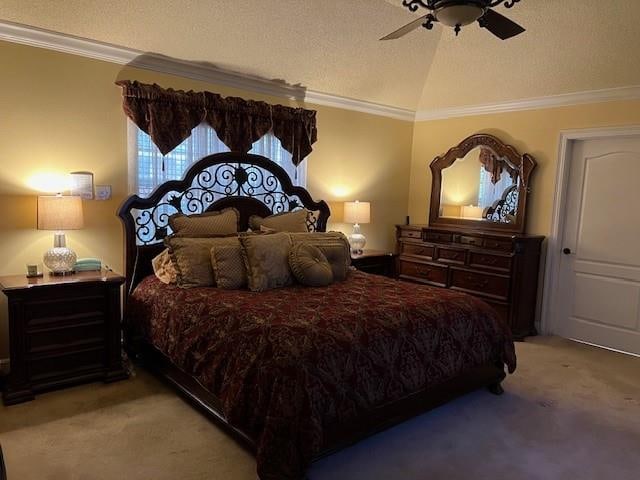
(566, 251)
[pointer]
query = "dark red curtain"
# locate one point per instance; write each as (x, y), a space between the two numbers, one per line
(168, 116)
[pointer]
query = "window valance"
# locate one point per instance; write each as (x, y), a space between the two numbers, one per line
(168, 116)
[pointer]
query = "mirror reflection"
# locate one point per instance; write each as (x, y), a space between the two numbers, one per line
(480, 186)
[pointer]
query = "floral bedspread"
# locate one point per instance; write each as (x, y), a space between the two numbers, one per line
(287, 362)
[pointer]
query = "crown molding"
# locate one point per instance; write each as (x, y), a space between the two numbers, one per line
(552, 101)
(60, 42)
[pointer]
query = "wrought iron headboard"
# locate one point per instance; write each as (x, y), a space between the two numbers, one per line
(252, 184)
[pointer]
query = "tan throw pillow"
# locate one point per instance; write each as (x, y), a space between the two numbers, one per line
(163, 267)
(224, 222)
(228, 265)
(309, 265)
(334, 246)
(267, 260)
(191, 258)
(281, 222)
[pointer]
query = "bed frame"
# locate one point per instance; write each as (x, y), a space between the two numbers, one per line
(255, 186)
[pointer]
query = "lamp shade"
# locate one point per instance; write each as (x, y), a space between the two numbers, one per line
(60, 213)
(357, 212)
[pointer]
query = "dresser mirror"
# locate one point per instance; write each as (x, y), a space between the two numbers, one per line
(482, 184)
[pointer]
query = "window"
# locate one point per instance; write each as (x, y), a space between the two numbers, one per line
(146, 162)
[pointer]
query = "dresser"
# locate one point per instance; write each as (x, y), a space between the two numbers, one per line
(500, 268)
(62, 331)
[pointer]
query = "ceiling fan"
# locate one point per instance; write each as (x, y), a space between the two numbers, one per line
(458, 13)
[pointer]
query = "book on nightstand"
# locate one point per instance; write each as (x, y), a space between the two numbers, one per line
(88, 265)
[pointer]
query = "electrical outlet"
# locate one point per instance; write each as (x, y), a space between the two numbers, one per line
(103, 192)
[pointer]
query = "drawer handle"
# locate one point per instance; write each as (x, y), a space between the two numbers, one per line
(423, 271)
(489, 260)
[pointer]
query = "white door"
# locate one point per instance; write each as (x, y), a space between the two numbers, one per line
(598, 295)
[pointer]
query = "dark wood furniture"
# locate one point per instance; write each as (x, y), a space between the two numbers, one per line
(220, 181)
(62, 331)
(488, 256)
(500, 268)
(378, 262)
(508, 213)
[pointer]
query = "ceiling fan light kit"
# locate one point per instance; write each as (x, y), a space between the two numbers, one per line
(459, 13)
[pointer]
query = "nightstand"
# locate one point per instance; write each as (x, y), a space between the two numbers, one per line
(379, 262)
(63, 330)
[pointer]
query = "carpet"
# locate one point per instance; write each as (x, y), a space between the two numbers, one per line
(571, 411)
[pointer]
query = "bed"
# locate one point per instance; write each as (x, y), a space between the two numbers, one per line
(297, 373)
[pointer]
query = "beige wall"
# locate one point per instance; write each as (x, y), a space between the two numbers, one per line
(62, 113)
(536, 132)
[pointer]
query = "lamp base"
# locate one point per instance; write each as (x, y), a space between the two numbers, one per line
(60, 259)
(357, 241)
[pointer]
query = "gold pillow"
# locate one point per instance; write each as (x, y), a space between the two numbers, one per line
(267, 260)
(334, 246)
(228, 265)
(191, 258)
(282, 222)
(224, 222)
(309, 265)
(163, 267)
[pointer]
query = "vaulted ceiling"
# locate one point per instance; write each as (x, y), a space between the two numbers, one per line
(332, 46)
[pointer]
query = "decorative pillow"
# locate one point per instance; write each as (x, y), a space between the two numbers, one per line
(334, 246)
(191, 258)
(267, 260)
(282, 222)
(309, 265)
(163, 267)
(228, 265)
(224, 222)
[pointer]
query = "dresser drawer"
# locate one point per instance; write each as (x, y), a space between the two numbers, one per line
(451, 255)
(487, 260)
(427, 272)
(411, 233)
(487, 284)
(418, 250)
(438, 237)
(471, 241)
(496, 244)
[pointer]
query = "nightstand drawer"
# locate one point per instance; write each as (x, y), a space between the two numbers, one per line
(496, 286)
(59, 365)
(63, 310)
(434, 274)
(53, 337)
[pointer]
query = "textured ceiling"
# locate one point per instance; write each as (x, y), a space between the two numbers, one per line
(332, 46)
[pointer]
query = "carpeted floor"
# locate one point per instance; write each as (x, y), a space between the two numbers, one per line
(570, 412)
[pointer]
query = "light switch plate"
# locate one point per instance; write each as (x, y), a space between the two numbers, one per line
(103, 192)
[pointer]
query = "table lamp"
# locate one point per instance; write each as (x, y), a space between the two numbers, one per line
(357, 213)
(59, 213)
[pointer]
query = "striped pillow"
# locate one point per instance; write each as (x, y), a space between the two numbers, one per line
(224, 222)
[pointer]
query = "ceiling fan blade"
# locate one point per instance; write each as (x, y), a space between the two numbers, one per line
(409, 27)
(500, 25)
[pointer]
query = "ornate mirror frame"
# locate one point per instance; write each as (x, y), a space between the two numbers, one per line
(525, 164)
